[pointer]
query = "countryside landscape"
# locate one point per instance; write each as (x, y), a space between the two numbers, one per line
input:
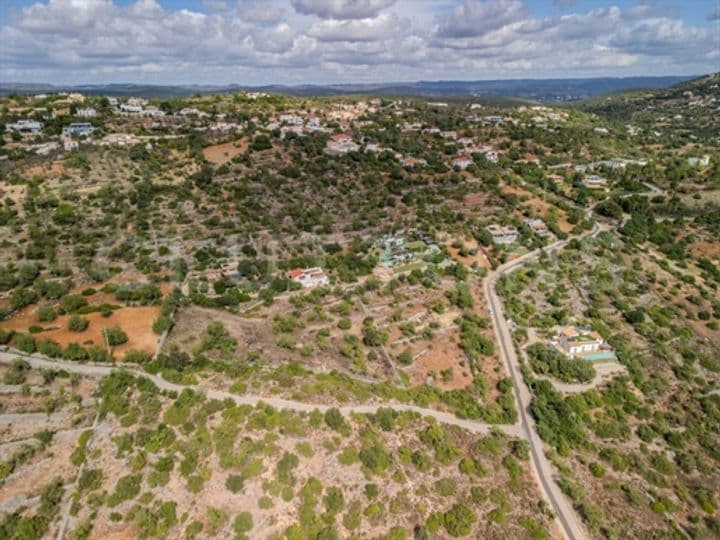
(360, 311)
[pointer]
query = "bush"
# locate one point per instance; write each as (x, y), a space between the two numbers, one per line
(334, 419)
(546, 360)
(235, 483)
(25, 343)
(161, 324)
(76, 323)
(127, 487)
(135, 356)
(242, 524)
(459, 520)
(46, 313)
(48, 347)
(115, 336)
(16, 373)
(73, 302)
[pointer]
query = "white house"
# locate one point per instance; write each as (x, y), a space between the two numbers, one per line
(81, 129)
(462, 162)
(341, 144)
(594, 181)
(502, 234)
(127, 108)
(578, 341)
(537, 226)
(33, 126)
(703, 161)
(87, 112)
(69, 145)
(308, 277)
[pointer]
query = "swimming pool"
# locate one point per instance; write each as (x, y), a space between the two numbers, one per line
(594, 357)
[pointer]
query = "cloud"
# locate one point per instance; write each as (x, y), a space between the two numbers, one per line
(474, 18)
(262, 41)
(378, 28)
(714, 15)
(341, 9)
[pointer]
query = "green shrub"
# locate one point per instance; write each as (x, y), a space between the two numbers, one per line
(24, 343)
(115, 336)
(127, 488)
(46, 313)
(76, 323)
(459, 520)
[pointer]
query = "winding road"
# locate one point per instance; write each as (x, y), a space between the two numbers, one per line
(567, 518)
(102, 370)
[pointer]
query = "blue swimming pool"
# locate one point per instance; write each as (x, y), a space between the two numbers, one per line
(605, 355)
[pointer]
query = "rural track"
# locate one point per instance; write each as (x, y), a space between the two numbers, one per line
(97, 370)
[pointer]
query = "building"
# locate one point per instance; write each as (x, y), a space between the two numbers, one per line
(341, 143)
(703, 161)
(119, 139)
(69, 145)
(88, 112)
(580, 342)
(128, 108)
(309, 277)
(537, 226)
(502, 234)
(462, 162)
(81, 129)
(594, 181)
(412, 162)
(291, 119)
(33, 126)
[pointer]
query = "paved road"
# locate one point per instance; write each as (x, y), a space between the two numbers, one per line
(568, 519)
(96, 370)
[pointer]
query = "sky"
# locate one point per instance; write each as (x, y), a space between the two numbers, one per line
(255, 42)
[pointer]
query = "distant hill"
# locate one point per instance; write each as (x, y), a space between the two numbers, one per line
(546, 90)
(691, 108)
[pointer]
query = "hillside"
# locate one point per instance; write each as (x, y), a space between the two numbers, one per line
(690, 110)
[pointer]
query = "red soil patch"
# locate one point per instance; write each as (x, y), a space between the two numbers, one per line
(135, 321)
(222, 153)
(711, 250)
(443, 354)
(468, 260)
(539, 207)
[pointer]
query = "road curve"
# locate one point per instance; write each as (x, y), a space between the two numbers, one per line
(568, 519)
(96, 370)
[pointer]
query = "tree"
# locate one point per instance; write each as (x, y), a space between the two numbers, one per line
(76, 323)
(115, 336)
(459, 520)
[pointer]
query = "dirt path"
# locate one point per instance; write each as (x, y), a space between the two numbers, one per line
(95, 370)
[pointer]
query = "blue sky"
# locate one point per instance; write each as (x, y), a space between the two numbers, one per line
(321, 41)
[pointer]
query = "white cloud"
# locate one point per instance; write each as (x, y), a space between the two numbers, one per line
(341, 9)
(474, 18)
(253, 41)
(381, 27)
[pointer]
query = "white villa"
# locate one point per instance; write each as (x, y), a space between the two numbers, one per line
(32, 126)
(578, 341)
(502, 234)
(309, 277)
(537, 226)
(81, 129)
